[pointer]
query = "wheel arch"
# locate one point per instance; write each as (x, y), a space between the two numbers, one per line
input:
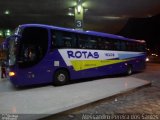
(62, 68)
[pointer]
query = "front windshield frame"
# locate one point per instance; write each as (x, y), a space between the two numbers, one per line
(13, 41)
(28, 46)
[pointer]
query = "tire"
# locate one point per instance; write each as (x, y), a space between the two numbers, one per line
(129, 70)
(61, 77)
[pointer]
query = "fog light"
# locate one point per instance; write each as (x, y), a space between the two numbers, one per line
(11, 74)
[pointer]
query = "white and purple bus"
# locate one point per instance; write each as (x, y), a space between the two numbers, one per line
(42, 54)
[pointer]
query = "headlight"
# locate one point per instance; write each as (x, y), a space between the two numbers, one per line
(11, 74)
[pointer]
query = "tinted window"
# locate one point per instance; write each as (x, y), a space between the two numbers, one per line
(33, 46)
(141, 47)
(82, 41)
(123, 45)
(62, 39)
(101, 43)
(92, 42)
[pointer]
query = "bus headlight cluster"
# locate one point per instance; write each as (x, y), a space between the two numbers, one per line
(11, 74)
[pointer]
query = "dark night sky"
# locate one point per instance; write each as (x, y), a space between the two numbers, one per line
(144, 28)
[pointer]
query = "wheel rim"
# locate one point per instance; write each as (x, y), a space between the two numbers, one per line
(61, 77)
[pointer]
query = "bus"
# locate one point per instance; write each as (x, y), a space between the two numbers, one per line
(44, 54)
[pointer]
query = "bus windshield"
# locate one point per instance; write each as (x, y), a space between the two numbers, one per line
(33, 46)
(30, 48)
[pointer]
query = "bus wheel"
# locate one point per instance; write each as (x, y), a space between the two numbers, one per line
(129, 70)
(61, 77)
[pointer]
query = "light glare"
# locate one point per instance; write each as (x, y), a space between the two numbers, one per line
(7, 12)
(79, 8)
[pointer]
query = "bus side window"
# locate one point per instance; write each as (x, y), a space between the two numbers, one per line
(92, 42)
(106, 44)
(123, 45)
(69, 40)
(67, 43)
(127, 46)
(134, 46)
(141, 47)
(82, 41)
(53, 40)
(60, 39)
(101, 44)
(116, 45)
(109, 44)
(130, 46)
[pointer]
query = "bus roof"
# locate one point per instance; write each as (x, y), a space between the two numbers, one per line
(100, 34)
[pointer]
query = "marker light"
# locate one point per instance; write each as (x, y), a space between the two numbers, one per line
(11, 74)
(147, 59)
